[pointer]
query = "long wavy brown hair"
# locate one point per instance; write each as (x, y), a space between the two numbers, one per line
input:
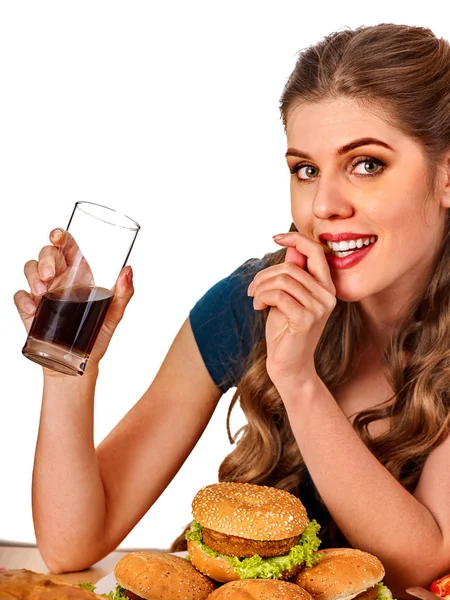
(406, 70)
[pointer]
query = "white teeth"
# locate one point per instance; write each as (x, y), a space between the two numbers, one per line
(344, 248)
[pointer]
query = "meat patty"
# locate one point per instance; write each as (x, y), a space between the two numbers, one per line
(231, 545)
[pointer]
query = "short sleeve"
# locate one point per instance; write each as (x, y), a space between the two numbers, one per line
(225, 325)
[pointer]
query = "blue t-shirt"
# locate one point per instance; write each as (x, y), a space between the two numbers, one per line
(225, 327)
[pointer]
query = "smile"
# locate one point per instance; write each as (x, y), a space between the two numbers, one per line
(345, 248)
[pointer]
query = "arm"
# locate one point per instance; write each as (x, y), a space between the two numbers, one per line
(409, 533)
(85, 501)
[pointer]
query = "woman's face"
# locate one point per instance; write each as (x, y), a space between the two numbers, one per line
(359, 180)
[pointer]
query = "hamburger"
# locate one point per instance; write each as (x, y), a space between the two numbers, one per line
(246, 531)
(342, 574)
(160, 576)
(259, 589)
(17, 584)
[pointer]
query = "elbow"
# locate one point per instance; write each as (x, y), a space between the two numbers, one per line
(58, 564)
(68, 558)
(402, 579)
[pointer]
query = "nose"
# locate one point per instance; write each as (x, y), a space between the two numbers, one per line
(331, 200)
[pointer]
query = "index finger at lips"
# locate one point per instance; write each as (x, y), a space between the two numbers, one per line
(316, 263)
(294, 256)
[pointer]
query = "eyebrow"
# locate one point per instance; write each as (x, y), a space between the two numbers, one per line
(366, 141)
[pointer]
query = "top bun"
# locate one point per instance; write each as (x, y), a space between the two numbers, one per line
(254, 512)
(341, 573)
(161, 576)
(259, 589)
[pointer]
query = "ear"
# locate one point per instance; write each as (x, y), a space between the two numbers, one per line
(444, 176)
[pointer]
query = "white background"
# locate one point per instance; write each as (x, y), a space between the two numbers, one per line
(168, 111)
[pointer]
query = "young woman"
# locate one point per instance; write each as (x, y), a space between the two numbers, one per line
(338, 344)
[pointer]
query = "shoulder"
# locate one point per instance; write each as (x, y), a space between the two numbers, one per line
(225, 325)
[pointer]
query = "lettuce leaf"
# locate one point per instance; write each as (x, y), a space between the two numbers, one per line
(384, 593)
(90, 587)
(256, 567)
(117, 594)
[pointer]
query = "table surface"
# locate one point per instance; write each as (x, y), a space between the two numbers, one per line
(28, 557)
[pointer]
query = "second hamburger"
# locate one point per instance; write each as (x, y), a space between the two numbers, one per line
(246, 531)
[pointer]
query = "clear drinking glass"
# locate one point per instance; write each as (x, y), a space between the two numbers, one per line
(71, 313)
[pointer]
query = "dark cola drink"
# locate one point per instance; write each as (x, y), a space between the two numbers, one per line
(66, 326)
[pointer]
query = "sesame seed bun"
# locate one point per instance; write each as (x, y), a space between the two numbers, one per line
(342, 573)
(259, 589)
(220, 569)
(161, 576)
(254, 512)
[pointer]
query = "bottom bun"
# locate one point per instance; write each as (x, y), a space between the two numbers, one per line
(260, 589)
(220, 569)
(161, 576)
(342, 573)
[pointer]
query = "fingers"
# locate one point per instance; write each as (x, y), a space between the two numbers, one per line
(294, 256)
(26, 307)
(295, 282)
(287, 280)
(49, 262)
(66, 242)
(37, 286)
(123, 292)
(316, 263)
(297, 315)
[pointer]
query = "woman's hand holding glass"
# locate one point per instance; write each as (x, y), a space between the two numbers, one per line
(51, 267)
(301, 302)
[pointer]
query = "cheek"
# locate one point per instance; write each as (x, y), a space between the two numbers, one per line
(301, 210)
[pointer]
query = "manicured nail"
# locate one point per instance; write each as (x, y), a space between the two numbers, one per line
(279, 236)
(57, 233)
(30, 308)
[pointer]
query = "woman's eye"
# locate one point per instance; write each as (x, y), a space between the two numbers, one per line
(306, 171)
(368, 166)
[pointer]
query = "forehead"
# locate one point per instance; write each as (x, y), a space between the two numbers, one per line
(327, 125)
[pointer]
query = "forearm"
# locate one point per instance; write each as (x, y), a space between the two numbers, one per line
(369, 505)
(68, 498)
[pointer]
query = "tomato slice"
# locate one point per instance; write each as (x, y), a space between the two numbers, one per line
(441, 586)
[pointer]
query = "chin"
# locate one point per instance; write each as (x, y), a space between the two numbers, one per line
(350, 295)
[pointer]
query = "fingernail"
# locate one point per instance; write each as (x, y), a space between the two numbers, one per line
(57, 233)
(130, 275)
(279, 236)
(30, 308)
(39, 287)
(47, 271)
